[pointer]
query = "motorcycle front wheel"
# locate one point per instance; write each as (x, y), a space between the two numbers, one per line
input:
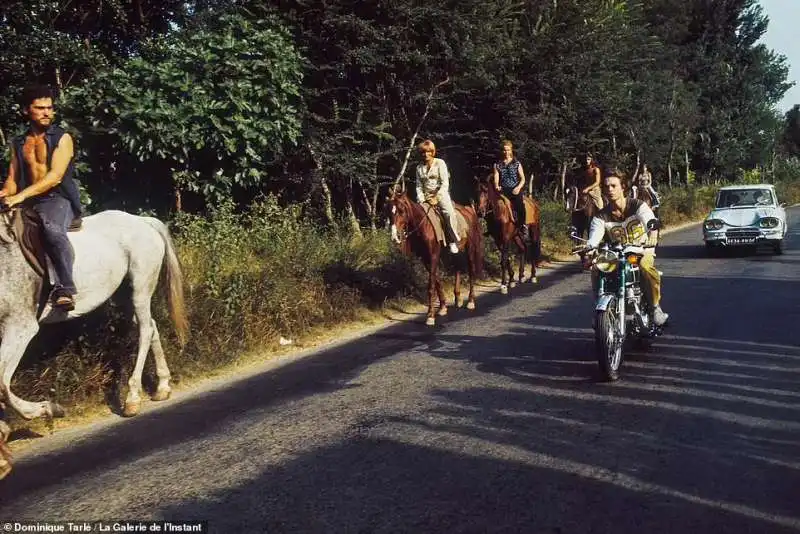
(608, 341)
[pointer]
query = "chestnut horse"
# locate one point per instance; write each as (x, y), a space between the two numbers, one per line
(581, 209)
(413, 231)
(505, 233)
(644, 195)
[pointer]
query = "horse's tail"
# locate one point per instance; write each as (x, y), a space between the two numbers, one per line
(535, 250)
(475, 243)
(535, 230)
(174, 281)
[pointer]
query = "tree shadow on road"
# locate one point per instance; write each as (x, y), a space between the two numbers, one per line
(700, 435)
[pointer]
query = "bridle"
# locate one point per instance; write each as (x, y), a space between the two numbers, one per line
(488, 207)
(406, 232)
(581, 200)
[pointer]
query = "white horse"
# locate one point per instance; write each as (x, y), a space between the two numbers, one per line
(110, 247)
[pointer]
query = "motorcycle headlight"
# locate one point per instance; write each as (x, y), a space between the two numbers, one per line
(713, 224)
(606, 261)
(768, 222)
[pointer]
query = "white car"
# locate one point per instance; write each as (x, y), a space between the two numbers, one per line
(746, 215)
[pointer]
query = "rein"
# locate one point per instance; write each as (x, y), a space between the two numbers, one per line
(407, 232)
(493, 201)
(581, 200)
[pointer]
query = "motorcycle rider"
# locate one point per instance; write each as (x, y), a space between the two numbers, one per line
(624, 220)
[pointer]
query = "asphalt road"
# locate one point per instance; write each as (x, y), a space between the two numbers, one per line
(494, 421)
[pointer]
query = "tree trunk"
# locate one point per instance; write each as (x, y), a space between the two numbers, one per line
(686, 161)
(327, 200)
(670, 155)
(178, 200)
(327, 197)
(415, 134)
(636, 147)
(350, 211)
(669, 173)
(352, 220)
(772, 166)
(369, 205)
(530, 185)
(561, 190)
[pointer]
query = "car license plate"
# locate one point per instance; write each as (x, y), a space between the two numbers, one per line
(741, 240)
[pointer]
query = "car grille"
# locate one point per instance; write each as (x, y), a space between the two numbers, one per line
(742, 235)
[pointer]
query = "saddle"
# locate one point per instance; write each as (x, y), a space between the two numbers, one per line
(26, 225)
(531, 209)
(434, 214)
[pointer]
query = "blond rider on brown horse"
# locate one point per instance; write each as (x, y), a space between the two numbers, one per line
(433, 186)
(509, 179)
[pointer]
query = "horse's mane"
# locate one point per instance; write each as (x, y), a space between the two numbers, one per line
(409, 205)
(415, 215)
(645, 195)
(493, 196)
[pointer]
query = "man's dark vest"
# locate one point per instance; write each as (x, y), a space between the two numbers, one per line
(67, 188)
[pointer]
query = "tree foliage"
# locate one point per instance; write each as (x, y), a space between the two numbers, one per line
(211, 106)
(205, 94)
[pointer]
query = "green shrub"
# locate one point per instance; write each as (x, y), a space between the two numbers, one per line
(250, 278)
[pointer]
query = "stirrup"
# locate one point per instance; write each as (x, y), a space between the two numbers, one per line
(64, 302)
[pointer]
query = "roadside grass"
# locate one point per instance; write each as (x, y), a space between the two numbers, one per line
(254, 277)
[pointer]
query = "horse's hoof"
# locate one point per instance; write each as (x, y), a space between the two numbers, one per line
(430, 321)
(459, 303)
(131, 408)
(504, 289)
(56, 410)
(5, 461)
(512, 285)
(161, 394)
(534, 280)
(5, 432)
(442, 311)
(470, 305)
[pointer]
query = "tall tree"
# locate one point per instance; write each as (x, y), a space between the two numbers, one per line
(201, 110)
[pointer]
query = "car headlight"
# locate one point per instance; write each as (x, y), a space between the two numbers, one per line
(769, 222)
(606, 261)
(713, 224)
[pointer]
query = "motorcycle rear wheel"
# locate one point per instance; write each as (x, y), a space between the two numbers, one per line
(608, 344)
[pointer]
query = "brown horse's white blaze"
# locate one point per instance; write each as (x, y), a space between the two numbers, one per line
(414, 233)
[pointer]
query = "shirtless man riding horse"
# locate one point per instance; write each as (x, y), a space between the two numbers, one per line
(40, 176)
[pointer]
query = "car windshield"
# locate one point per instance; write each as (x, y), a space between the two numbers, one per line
(735, 198)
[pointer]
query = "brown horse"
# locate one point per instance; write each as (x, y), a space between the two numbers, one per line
(413, 231)
(505, 233)
(581, 209)
(643, 193)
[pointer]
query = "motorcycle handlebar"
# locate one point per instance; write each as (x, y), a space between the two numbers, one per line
(635, 249)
